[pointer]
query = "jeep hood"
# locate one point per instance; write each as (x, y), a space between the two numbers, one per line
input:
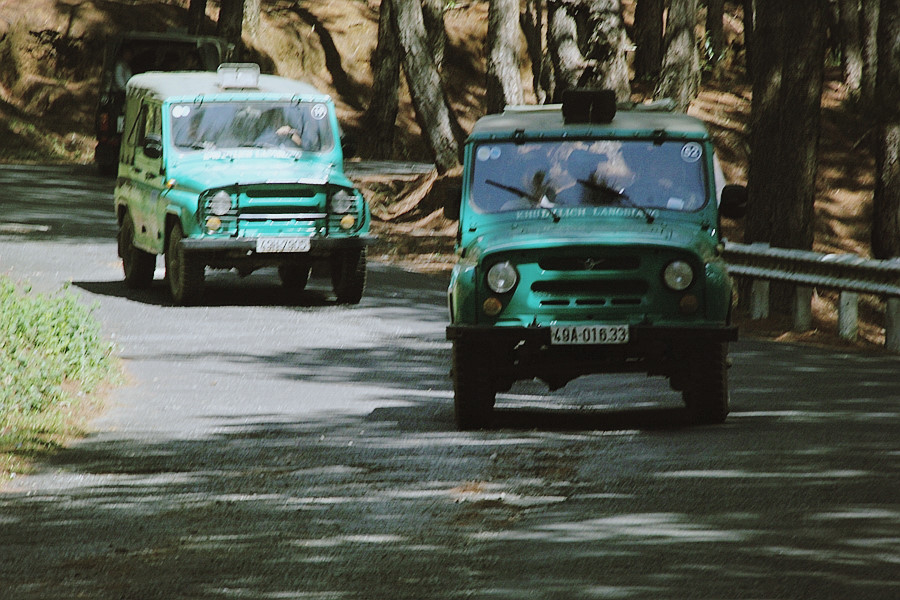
(635, 232)
(206, 174)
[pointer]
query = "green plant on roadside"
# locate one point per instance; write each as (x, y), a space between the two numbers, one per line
(52, 354)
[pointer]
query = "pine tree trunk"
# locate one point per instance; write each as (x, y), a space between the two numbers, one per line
(749, 7)
(196, 17)
(648, 37)
(886, 202)
(587, 44)
(428, 97)
(680, 77)
(504, 82)
(381, 115)
(785, 127)
(715, 29)
(433, 17)
(532, 23)
(231, 17)
(851, 44)
(869, 16)
(251, 18)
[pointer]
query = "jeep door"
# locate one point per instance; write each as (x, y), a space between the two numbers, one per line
(141, 163)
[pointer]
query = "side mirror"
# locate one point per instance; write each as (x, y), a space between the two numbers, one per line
(348, 146)
(452, 199)
(734, 201)
(152, 146)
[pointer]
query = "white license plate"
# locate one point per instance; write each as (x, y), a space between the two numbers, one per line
(588, 334)
(282, 244)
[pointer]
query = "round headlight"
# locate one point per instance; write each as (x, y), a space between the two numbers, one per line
(342, 201)
(678, 275)
(220, 203)
(502, 277)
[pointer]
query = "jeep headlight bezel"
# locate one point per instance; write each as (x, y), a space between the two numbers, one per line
(342, 202)
(220, 203)
(502, 277)
(678, 275)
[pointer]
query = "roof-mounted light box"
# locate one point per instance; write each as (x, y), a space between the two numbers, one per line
(588, 105)
(238, 75)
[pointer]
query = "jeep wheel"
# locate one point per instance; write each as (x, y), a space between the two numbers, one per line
(184, 272)
(473, 388)
(706, 383)
(137, 264)
(348, 275)
(294, 276)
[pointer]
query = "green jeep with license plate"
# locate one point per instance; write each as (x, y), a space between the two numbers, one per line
(239, 170)
(589, 241)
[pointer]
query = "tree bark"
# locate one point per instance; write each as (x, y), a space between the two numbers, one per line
(197, 17)
(715, 29)
(869, 16)
(749, 7)
(251, 18)
(381, 115)
(851, 44)
(784, 126)
(532, 23)
(648, 37)
(433, 17)
(886, 201)
(680, 77)
(504, 81)
(428, 97)
(587, 43)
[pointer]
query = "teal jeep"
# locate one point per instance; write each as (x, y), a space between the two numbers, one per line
(589, 241)
(236, 170)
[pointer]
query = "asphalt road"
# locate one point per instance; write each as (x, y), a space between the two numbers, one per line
(271, 450)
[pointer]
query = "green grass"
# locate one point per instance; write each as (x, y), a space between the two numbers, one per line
(52, 358)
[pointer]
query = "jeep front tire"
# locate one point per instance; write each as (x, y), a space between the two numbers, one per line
(184, 272)
(348, 275)
(473, 386)
(137, 265)
(705, 383)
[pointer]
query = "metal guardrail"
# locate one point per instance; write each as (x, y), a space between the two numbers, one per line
(850, 275)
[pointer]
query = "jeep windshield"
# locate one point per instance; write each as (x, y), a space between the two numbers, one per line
(285, 126)
(643, 174)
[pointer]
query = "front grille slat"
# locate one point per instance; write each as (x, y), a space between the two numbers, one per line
(578, 287)
(589, 263)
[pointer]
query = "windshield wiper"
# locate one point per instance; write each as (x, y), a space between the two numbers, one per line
(616, 195)
(525, 195)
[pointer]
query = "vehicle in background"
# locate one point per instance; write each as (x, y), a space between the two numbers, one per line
(590, 241)
(137, 52)
(236, 170)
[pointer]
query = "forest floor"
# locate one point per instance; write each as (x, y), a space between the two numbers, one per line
(51, 50)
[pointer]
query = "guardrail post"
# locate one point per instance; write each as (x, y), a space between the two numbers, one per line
(803, 308)
(892, 325)
(759, 299)
(848, 316)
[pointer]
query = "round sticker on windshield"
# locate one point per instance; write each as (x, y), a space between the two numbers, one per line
(484, 153)
(691, 152)
(181, 111)
(318, 112)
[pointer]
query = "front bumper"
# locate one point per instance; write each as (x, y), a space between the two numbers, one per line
(246, 247)
(639, 334)
(522, 353)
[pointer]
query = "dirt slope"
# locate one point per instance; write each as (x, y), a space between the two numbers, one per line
(50, 53)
